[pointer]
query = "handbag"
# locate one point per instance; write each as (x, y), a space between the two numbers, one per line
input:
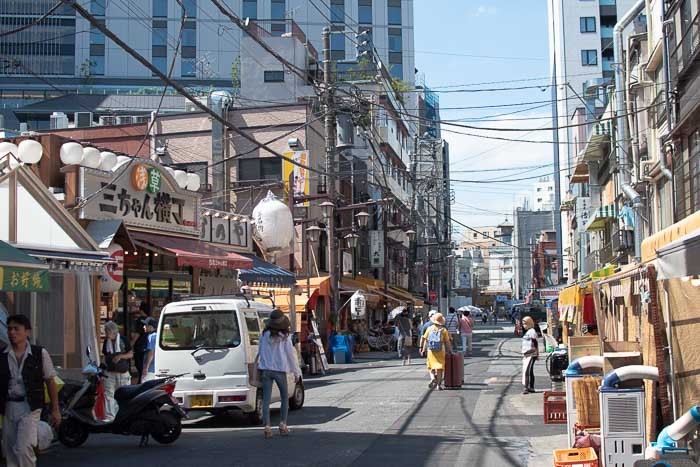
(254, 373)
(408, 341)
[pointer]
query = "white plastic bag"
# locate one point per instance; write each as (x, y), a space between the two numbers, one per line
(44, 435)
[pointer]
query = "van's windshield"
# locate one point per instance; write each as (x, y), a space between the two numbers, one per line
(190, 330)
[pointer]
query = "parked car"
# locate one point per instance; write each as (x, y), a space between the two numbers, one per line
(213, 340)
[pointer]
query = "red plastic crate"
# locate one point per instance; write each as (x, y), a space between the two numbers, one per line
(554, 407)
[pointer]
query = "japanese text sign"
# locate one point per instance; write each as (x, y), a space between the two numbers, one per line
(24, 280)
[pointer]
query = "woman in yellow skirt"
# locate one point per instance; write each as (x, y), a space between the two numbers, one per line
(436, 341)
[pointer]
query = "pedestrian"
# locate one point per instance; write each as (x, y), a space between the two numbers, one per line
(24, 371)
(423, 327)
(276, 358)
(453, 327)
(436, 341)
(484, 316)
(149, 358)
(139, 338)
(466, 329)
(117, 358)
(405, 337)
(530, 353)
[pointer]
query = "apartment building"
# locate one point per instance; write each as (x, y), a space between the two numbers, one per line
(75, 57)
(543, 195)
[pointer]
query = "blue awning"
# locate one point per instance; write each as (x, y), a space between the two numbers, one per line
(264, 272)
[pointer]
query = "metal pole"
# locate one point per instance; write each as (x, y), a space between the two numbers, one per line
(556, 212)
(292, 265)
(427, 275)
(385, 211)
(330, 130)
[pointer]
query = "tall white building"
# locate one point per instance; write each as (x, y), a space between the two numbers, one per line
(543, 195)
(75, 57)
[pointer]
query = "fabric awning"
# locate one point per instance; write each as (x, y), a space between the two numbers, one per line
(602, 273)
(20, 272)
(596, 148)
(601, 216)
(674, 232)
(264, 272)
(680, 258)
(14, 257)
(191, 252)
(79, 257)
(580, 174)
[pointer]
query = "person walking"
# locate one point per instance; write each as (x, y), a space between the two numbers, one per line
(139, 338)
(24, 370)
(453, 318)
(405, 337)
(423, 327)
(436, 341)
(117, 355)
(530, 353)
(466, 329)
(149, 359)
(276, 358)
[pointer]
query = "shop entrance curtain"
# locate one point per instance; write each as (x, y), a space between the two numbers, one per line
(86, 318)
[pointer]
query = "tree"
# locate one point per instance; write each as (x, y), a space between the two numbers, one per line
(86, 69)
(236, 75)
(400, 88)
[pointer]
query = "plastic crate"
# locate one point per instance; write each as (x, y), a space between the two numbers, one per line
(554, 407)
(583, 457)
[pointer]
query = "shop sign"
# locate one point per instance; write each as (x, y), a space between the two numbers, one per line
(583, 210)
(376, 248)
(226, 229)
(112, 280)
(300, 182)
(358, 305)
(549, 294)
(23, 280)
(432, 296)
(142, 195)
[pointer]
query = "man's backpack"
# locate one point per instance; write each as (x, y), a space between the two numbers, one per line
(435, 339)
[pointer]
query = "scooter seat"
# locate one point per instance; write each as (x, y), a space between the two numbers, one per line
(128, 392)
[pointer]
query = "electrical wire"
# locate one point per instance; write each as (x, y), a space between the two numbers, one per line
(32, 23)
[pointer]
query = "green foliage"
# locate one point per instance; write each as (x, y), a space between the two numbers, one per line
(236, 74)
(400, 87)
(86, 69)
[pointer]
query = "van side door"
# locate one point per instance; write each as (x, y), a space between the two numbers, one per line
(254, 330)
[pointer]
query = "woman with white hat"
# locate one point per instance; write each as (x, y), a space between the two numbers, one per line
(530, 353)
(436, 341)
(276, 358)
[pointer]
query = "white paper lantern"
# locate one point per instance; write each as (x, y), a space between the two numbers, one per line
(91, 158)
(273, 224)
(10, 151)
(193, 182)
(112, 281)
(71, 153)
(181, 178)
(30, 151)
(121, 160)
(171, 171)
(108, 160)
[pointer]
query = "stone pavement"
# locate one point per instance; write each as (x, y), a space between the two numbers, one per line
(374, 412)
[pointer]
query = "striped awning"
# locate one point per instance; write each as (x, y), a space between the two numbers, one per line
(600, 217)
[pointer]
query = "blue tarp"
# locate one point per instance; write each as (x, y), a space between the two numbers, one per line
(265, 272)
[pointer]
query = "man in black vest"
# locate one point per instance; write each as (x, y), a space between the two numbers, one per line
(24, 369)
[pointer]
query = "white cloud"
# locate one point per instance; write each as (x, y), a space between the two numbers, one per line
(484, 10)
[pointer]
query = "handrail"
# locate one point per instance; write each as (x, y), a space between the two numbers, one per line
(689, 40)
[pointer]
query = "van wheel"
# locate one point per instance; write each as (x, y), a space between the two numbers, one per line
(296, 402)
(256, 416)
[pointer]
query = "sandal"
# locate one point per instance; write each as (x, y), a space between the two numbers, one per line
(284, 429)
(268, 432)
(432, 384)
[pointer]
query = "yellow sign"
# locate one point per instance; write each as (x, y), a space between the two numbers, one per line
(300, 184)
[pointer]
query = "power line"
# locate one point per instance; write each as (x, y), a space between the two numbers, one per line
(33, 23)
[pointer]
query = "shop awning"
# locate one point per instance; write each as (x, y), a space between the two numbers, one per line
(20, 272)
(602, 273)
(264, 272)
(603, 215)
(674, 232)
(680, 258)
(596, 148)
(14, 257)
(76, 257)
(580, 174)
(191, 252)
(402, 294)
(103, 232)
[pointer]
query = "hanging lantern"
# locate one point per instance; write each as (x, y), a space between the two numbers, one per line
(91, 158)
(108, 160)
(351, 240)
(411, 234)
(181, 178)
(313, 234)
(30, 151)
(327, 209)
(273, 224)
(362, 219)
(71, 153)
(11, 151)
(121, 160)
(112, 280)
(193, 182)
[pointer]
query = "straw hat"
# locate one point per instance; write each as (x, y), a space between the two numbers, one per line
(278, 320)
(437, 318)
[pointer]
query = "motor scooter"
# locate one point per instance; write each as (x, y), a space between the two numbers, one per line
(147, 409)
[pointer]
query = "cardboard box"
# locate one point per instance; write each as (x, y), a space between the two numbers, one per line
(583, 346)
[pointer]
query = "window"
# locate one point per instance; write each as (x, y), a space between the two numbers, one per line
(188, 68)
(96, 36)
(160, 8)
(337, 11)
(189, 34)
(337, 43)
(253, 325)
(256, 169)
(396, 69)
(97, 7)
(97, 65)
(588, 24)
(539, 188)
(589, 57)
(250, 9)
(274, 76)
(694, 163)
(395, 43)
(394, 11)
(190, 8)
(161, 63)
(189, 330)
(278, 9)
(364, 11)
(160, 33)
(270, 168)
(474, 235)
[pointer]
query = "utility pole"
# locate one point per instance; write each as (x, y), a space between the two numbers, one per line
(330, 130)
(292, 260)
(556, 212)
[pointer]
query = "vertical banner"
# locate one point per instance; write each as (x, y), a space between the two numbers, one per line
(301, 175)
(376, 248)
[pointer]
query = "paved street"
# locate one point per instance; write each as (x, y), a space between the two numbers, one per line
(371, 413)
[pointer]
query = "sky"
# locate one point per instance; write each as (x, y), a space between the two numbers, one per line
(475, 42)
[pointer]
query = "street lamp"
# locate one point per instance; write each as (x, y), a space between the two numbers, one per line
(327, 209)
(362, 219)
(351, 240)
(411, 234)
(314, 234)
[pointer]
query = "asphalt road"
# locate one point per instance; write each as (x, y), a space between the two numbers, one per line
(375, 412)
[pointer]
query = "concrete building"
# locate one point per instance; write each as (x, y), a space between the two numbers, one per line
(543, 195)
(528, 225)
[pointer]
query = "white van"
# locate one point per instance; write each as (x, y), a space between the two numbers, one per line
(213, 339)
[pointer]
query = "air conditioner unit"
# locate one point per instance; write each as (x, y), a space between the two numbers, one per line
(82, 119)
(59, 120)
(108, 120)
(622, 426)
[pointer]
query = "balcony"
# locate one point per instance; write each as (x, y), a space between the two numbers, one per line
(686, 50)
(599, 258)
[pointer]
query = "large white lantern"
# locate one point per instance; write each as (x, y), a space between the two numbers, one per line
(193, 182)
(71, 153)
(273, 224)
(181, 178)
(108, 160)
(30, 151)
(121, 160)
(112, 281)
(91, 158)
(11, 151)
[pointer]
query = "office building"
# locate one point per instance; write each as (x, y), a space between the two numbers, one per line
(543, 195)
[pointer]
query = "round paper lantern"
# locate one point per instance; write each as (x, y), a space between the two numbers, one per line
(273, 224)
(108, 160)
(11, 151)
(71, 153)
(91, 158)
(181, 178)
(121, 160)
(112, 281)
(30, 151)
(193, 182)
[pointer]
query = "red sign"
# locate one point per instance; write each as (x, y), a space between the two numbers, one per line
(432, 297)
